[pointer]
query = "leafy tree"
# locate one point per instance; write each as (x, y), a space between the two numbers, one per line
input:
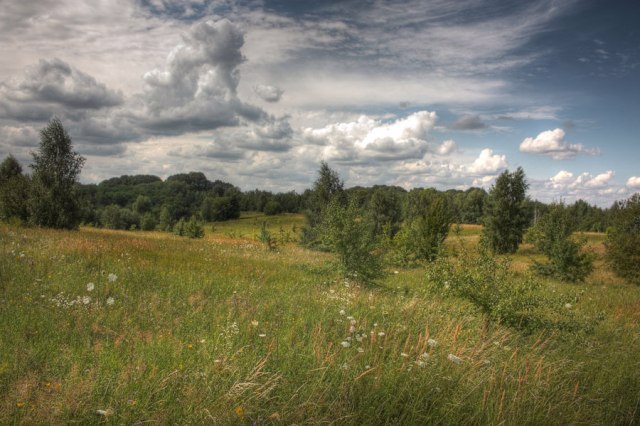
(552, 236)
(272, 208)
(347, 233)
(14, 191)
(426, 226)
(56, 168)
(385, 210)
(623, 239)
(506, 217)
(326, 189)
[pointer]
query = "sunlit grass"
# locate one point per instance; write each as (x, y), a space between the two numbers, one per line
(222, 330)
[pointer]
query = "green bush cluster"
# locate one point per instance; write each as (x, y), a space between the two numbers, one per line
(552, 236)
(191, 228)
(623, 239)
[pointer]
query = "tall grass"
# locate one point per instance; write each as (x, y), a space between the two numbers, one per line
(222, 330)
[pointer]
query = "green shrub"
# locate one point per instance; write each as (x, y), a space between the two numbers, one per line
(347, 233)
(272, 208)
(266, 238)
(502, 296)
(191, 228)
(623, 239)
(424, 230)
(552, 237)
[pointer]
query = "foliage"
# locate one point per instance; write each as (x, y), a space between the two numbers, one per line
(114, 217)
(426, 226)
(384, 209)
(505, 218)
(501, 295)
(14, 191)
(623, 239)
(56, 168)
(272, 207)
(266, 238)
(191, 228)
(552, 236)
(348, 233)
(327, 188)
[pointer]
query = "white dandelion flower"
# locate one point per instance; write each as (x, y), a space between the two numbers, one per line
(90, 287)
(454, 359)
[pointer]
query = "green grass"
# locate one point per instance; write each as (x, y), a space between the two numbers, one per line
(221, 330)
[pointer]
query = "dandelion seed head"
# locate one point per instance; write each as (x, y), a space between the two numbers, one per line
(454, 359)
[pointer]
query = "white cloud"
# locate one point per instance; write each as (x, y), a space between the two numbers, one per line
(488, 163)
(446, 147)
(369, 138)
(552, 143)
(633, 182)
(268, 93)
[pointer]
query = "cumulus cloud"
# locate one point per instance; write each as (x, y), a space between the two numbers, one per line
(552, 143)
(50, 87)
(446, 147)
(368, 138)
(197, 88)
(566, 180)
(468, 122)
(268, 93)
(488, 163)
(633, 182)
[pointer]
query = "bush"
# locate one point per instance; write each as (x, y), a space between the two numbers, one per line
(191, 228)
(266, 238)
(272, 208)
(502, 296)
(623, 239)
(552, 237)
(148, 222)
(348, 234)
(421, 235)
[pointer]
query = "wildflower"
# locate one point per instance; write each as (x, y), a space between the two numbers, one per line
(110, 301)
(342, 312)
(239, 412)
(425, 356)
(420, 363)
(568, 305)
(19, 404)
(254, 323)
(112, 278)
(262, 335)
(350, 318)
(432, 343)
(454, 359)
(190, 346)
(90, 287)
(352, 329)
(404, 355)
(104, 413)
(345, 344)
(395, 272)
(86, 300)
(360, 350)
(367, 366)
(381, 333)
(202, 340)
(359, 337)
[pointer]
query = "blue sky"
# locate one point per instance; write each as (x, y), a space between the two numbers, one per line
(411, 93)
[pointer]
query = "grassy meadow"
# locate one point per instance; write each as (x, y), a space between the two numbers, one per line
(100, 326)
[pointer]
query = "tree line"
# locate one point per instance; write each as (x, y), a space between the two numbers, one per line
(360, 224)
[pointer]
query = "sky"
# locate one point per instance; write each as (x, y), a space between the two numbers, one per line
(414, 93)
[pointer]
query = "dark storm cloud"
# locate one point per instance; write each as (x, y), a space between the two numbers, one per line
(468, 122)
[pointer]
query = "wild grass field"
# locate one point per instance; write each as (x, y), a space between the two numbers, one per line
(101, 326)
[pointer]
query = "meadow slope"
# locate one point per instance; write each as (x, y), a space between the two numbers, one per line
(133, 327)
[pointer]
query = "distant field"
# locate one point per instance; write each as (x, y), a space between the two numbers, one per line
(154, 328)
